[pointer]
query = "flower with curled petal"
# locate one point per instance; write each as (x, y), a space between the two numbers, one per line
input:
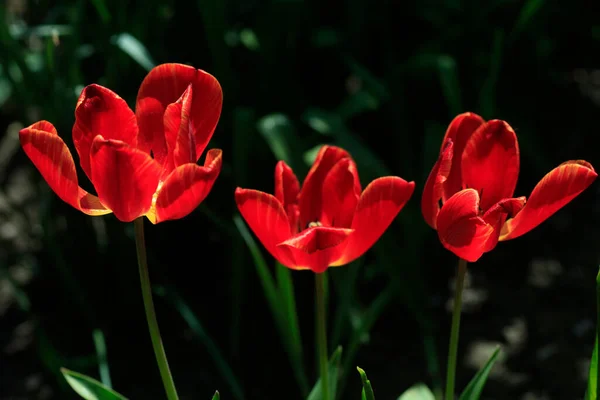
(141, 163)
(468, 196)
(330, 221)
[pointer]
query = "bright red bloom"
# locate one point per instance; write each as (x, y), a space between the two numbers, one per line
(142, 163)
(328, 222)
(468, 196)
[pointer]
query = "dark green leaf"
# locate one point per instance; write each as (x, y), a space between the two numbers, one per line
(196, 326)
(367, 391)
(591, 392)
(135, 49)
(334, 369)
(475, 387)
(89, 388)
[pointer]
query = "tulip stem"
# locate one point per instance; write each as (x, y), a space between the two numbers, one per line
(159, 350)
(453, 348)
(322, 334)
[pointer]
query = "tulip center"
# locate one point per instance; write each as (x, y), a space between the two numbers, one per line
(314, 223)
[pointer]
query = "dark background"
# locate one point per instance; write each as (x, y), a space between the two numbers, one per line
(380, 78)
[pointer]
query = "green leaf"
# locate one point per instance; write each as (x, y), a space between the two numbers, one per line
(266, 278)
(591, 392)
(100, 345)
(334, 368)
(367, 320)
(89, 388)
(417, 392)
(592, 389)
(278, 305)
(450, 84)
(288, 300)
(196, 326)
(475, 387)
(280, 135)
(134, 48)
(249, 39)
(217, 396)
(530, 8)
(367, 391)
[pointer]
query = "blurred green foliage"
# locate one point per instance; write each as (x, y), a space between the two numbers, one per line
(381, 79)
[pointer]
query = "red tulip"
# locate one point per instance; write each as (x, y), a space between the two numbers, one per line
(327, 222)
(468, 196)
(142, 163)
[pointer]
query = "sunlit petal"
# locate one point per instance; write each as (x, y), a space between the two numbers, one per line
(124, 177)
(554, 191)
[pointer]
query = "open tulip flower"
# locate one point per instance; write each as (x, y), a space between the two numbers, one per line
(468, 196)
(143, 163)
(328, 222)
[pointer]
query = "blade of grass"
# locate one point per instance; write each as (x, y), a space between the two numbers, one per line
(243, 135)
(475, 387)
(288, 299)
(100, 345)
(271, 293)
(487, 98)
(591, 392)
(177, 302)
(89, 388)
(367, 391)
(450, 85)
(369, 318)
(266, 278)
(280, 135)
(134, 49)
(528, 11)
(334, 371)
(345, 299)
(102, 10)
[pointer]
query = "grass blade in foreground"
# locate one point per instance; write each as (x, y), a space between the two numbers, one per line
(417, 392)
(475, 387)
(334, 367)
(217, 396)
(367, 392)
(195, 325)
(89, 388)
(100, 345)
(290, 313)
(592, 389)
(273, 296)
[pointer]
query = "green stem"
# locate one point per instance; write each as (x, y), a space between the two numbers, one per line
(322, 334)
(460, 280)
(159, 350)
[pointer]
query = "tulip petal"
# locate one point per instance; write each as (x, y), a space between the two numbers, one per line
(100, 111)
(164, 85)
(490, 162)
(434, 188)
(287, 189)
(266, 217)
(554, 191)
(460, 228)
(497, 215)
(310, 199)
(459, 131)
(318, 247)
(52, 158)
(186, 187)
(341, 191)
(377, 207)
(124, 177)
